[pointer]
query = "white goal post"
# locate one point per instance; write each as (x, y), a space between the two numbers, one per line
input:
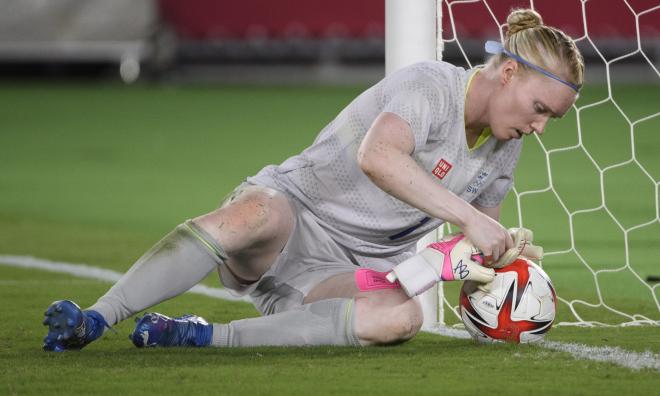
(412, 34)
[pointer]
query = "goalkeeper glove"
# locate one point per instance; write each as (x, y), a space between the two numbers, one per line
(454, 257)
(522, 246)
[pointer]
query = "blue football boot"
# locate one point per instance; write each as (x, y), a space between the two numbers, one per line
(69, 327)
(155, 329)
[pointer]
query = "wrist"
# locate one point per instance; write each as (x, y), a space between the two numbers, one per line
(467, 216)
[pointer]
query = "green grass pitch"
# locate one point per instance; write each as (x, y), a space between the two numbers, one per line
(96, 174)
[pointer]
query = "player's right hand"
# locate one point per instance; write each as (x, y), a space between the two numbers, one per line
(523, 239)
(489, 236)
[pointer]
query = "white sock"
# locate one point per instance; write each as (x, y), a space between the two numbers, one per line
(326, 322)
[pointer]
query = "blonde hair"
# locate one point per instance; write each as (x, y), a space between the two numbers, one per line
(544, 46)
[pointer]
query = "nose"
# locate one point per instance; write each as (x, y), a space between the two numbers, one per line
(539, 124)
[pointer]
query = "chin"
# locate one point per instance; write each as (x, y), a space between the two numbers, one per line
(500, 136)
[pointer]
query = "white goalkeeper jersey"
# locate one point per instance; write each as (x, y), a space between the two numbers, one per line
(357, 214)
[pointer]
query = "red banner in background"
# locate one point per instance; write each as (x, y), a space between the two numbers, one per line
(213, 19)
(209, 19)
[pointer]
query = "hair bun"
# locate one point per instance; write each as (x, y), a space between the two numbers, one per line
(522, 19)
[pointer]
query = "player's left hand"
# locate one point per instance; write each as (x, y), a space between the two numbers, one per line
(453, 258)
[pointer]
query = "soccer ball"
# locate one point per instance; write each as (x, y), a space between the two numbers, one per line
(518, 306)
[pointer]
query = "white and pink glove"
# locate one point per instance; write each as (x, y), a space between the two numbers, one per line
(455, 257)
(452, 258)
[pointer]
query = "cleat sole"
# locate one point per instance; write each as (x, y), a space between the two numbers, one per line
(61, 319)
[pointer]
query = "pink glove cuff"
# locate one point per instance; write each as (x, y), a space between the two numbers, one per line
(367, 280)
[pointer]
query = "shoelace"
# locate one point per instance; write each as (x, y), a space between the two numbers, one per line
(92, 321)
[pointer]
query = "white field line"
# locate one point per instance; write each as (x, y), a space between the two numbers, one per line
(87, 271)
(633, 360)
(615, 355)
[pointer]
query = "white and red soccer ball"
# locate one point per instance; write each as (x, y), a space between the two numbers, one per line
(518, 306)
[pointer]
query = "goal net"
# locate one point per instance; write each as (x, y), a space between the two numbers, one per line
(589, 186)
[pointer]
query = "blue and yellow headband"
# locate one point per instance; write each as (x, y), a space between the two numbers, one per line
(495, 48)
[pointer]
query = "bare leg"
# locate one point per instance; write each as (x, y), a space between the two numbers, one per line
(382, 316)
(253, 228)
(335, 313)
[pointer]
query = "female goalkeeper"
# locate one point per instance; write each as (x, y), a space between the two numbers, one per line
(308, 239)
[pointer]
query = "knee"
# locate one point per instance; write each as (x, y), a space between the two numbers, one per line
(383, 324)
(259, 216)
(404, 321)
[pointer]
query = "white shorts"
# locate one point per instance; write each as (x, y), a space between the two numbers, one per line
(309, 257)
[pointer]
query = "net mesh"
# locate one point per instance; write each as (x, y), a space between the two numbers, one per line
(592, 193)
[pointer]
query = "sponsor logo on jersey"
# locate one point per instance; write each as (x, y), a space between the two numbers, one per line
(474, 187)
(442, 169)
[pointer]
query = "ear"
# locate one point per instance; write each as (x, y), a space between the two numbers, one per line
(507, 70)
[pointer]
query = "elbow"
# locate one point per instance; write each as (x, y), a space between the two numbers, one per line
(367, 162)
